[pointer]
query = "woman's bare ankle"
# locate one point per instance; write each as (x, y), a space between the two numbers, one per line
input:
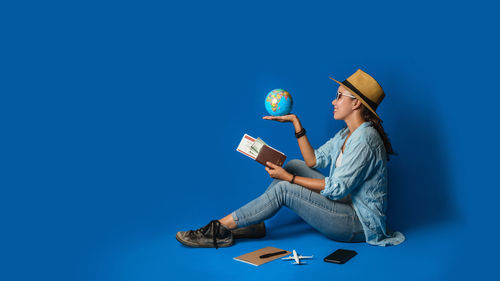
(228, 222)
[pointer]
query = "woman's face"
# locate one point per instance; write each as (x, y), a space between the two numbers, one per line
(343, 106)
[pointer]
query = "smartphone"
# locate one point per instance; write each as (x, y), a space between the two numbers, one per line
(340, 256)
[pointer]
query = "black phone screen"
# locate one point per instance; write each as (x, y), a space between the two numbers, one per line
(340, 256)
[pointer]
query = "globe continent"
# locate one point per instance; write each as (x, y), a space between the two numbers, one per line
(278, 102)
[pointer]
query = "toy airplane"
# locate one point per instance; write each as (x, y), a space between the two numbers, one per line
(297, 258)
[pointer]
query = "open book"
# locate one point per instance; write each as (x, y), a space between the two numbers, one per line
(259, 151)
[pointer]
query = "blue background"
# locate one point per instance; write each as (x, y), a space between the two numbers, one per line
(120, 121)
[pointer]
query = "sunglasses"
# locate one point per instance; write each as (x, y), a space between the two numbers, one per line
(339, 95)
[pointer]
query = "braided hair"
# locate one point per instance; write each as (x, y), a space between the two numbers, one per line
(367, 115)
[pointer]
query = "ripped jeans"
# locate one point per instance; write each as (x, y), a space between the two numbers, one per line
(336, 219)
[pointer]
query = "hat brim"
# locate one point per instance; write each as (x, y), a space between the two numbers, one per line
(358, 97)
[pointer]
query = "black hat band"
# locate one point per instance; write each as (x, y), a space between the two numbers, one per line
(351, 87)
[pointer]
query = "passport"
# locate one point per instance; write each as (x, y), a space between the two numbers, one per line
(259, 151)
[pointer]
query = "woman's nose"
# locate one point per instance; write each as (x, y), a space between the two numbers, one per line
(333, 101)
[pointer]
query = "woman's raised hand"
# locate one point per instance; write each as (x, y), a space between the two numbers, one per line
(284, 118)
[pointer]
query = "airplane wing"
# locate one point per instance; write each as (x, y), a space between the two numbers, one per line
(288, 258)
(306, 257)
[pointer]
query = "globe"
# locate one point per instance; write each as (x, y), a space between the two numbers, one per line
(278, 102)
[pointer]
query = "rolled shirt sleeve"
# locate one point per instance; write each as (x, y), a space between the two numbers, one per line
(351, 173)
(323, 153)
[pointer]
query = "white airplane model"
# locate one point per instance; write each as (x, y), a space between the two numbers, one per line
(297, 258)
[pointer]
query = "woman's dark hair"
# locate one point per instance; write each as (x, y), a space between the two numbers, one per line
(367, 115)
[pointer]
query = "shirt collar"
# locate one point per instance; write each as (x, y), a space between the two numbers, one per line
(358, 129)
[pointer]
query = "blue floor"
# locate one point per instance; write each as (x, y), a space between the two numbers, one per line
(434, 253)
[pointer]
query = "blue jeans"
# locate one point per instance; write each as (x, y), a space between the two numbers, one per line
(336, 219)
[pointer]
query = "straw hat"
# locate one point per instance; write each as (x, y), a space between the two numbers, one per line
(365, 89)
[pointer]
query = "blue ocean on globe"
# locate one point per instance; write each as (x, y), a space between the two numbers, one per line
(278, 102)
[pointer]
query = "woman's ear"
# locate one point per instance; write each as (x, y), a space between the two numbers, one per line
(357, 104)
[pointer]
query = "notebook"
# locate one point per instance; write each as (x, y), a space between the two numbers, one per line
(253, 258)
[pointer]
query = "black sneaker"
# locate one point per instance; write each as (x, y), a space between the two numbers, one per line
(251, 231)
(213, 235)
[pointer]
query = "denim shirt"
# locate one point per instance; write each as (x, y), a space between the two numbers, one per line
(363, 174)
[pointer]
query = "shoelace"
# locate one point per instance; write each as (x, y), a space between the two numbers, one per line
(215, 224)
